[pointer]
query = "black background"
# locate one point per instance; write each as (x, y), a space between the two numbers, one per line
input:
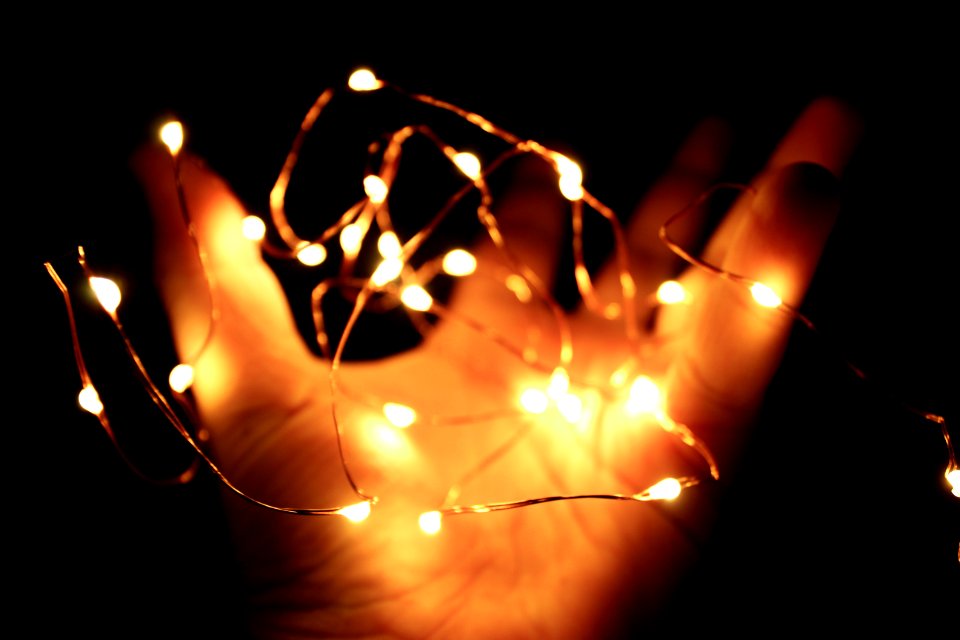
(839, 518)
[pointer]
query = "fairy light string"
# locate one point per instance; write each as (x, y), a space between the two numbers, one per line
(396, 283)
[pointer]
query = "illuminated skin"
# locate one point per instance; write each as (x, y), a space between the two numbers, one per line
(569, 569)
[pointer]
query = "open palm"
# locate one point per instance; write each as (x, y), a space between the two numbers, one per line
(566, 569)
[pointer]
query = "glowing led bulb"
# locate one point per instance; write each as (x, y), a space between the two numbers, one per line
(430, 522)
(181, 377)
(171, 134)
(363, 80)
(356, 512)
(765, 296)
(350, 238)
(459, 262)
(644, 396)
(519, 287)
(666, 489)
(388, 244)
(375, 188)
(468, 163)
(534, 401)
(416, 297)
(107, 292)
(559, 383)
(671, 292)
(953, 477)
(570, 407)
(386, 271)
(89, 400)
(253, 228)
(571, 177)
(312, 254)
(399, 415)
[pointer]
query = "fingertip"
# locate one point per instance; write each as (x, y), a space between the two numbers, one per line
(827, 133)
(705, 149)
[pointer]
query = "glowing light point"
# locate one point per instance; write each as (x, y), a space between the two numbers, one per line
(570, 407)
(559, 383)
(644, 396)
(468, 163)
(171, 134)
(312, 254)
(430, 522)
(89, 400)
(666, 489)
(399, 415)
(253, 228)
(388, 244)
(953, 477)
(671, 292)
(519, 287)
(375, 188)
(107, 292)
(416, 297)
(459, 262)
(571, 177)
(356, 512)
(386, 271)
(364, 80)
(181, 377)
(765, 296)
(534, 401)
(350, 238)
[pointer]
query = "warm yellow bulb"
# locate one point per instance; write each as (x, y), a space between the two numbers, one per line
(765, 296)
(181, 377)
(89, 400)
(388, 244)
(399, 415)
(386, 271)
(953, 477)
(312, 254)
(570, 407)
(363, 80)
(534, 401)
(416, 297)
(571, 177)
(253, 228)
(519, 287)
(559, 383)
(570, 188)
(644, 396)
(375, 188)
(350, 238)
(430, 522)
(468, 163)
(459, 262)
(671, 292)
(171, 134)
(356, 512)
(666, 489)
(107, 292)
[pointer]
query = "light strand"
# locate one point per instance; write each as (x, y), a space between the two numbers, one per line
(402, 285)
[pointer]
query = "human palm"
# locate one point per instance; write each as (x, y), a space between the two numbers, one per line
(574, 568)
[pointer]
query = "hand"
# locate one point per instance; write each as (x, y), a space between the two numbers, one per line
(568, 569)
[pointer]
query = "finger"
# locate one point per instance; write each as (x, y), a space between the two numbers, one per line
(228, 312)
(530, 216)
(696, 165)
(733, 346)
(826, 133)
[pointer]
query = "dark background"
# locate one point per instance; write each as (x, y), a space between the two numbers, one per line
(840, 517)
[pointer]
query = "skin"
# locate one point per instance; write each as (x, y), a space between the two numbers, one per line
(569, 569)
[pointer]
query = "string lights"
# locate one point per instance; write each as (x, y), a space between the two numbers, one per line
(404, 277)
